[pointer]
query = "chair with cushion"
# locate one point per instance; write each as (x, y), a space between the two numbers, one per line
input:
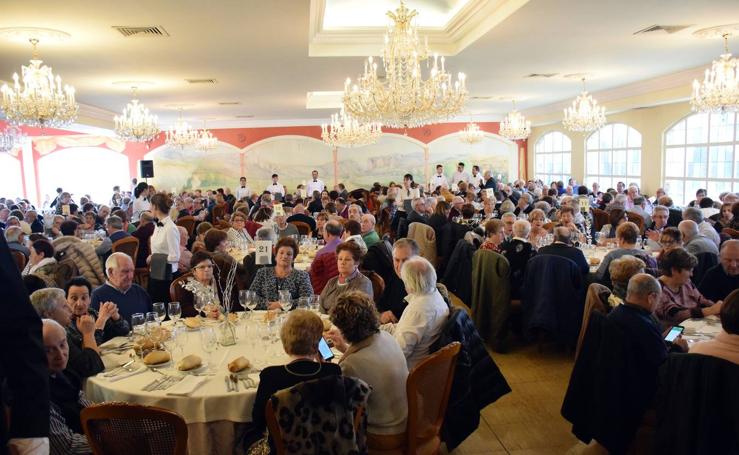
(187, 222)
(600, 219)
(130, 429)
(176, 291)
(19, 258)
(128, 245)
(218, 213)
(378, 284)
(636, 219)
(302, 227)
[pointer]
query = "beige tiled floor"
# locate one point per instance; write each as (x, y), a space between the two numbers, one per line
(527, 420)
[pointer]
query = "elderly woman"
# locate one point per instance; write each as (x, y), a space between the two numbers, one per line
(537, 219)
(282, 277)
(66, 400)
(670, 238)
(300, 335)
(237, 233)
(494, 235)
(41, 262)
(200, 232)
(726, 343)
(616, 217)
(321, 220)
(375, 357)
(680, 299)
(424, 317)
(84, 357)
(621, 270)
(205, 277)
(108, 322)
(725, 217)
(518, 250)
(566, 217)
(626, 236)
(348, 257)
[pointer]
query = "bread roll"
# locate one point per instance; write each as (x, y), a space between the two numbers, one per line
(192, 322)
(156, 357)
(238, 364)
(189, 362)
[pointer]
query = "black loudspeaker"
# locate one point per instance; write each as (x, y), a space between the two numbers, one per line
(146, 169)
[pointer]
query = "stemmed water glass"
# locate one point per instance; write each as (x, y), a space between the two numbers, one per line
(286, 301)
(199, 304)
(315, 301)
(175, 311)
(160, 310)
(209, 343)
(137, 324)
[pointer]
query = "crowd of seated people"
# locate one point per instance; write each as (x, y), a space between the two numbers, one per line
(364, 231)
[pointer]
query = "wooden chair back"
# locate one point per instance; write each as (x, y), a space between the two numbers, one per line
(128, 245)
(19, 258)
(127, 429)
(733, 233)
(600, 218)
(175, 288)
(141, 276)
(428, 387)
(302, 227)
(636, 219)
(378, 284)
(187, 222)
(549, 227)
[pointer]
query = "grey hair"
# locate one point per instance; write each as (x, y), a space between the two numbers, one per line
(53, 323)
(521, 228)
(642, 285)
(265, 233)
(407, 243)
(13, 234)
(508, 215)
(543, 205)
(507, 206)
(693, 214)
(114, 222)
(418, 275)
(527, 196)
(44, 301)
(112, 262)
(688, 228)
(620, 198)
(561, 234)
(661, 208)
(370, 217)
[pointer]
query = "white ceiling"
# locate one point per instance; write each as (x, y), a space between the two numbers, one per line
(258, 52)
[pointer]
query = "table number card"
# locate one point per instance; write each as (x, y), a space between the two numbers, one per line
(263, 252)
(490, 193)
(584, 204)
(278, 210)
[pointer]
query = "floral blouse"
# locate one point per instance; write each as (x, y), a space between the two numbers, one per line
(266, 284)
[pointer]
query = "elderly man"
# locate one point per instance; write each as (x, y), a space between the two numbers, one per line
(508, 219)
(15, 237)
(32, 218)
(285, 229)
(524, 205)
(120, 288)
(392, 303)
(355, 213)
(706, 229)
(115, 228)
(660, 215)
(369, 234)
(418, 214)
(84, 357)
(490, 181)
(720, 280)
(693, 241)
(639, 207)
(324, 266)
(562, 246)
(65, 435)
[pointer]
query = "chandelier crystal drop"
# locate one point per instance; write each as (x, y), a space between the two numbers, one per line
(10, 138)
(181, 134)
(471, 134)
(136, 124)
(206, 140)
(403, 98)
(585, 114)
(719, 91)
(515, 126)
(346, 131)
(37, 98)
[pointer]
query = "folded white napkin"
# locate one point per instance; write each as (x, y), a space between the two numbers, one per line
(187, 386)
(114, 360)
(123, 375)
(114, 343)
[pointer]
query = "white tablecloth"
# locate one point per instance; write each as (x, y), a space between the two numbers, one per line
(701, 329)
(302, 262)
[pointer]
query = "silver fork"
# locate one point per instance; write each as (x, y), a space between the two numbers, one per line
(248, 383)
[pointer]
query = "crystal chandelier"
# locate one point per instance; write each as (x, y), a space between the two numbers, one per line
(136, 124)
(515, 126)
(471, 134)
(40, 99)
(181, 133)
(346, 131)
(10, 138)
(584, 115)
(403, 99)
(206, 140)
(719, 91)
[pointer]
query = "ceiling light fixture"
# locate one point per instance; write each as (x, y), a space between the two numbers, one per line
(346, 131)
(40, 99)
(10, 138)
(471, 134)
(585, 114)
(515, 126)
(403, 98)
(719, 91)
(136, 124)
(206, 140)
(181, 134)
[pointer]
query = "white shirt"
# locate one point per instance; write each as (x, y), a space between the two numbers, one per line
(460, 177)
(166, 240)
(709, 231)
(439, 180)
(139, 205)
(476, 180)
(242, 192)
(420, 325)
(276, 188)
(316, 185)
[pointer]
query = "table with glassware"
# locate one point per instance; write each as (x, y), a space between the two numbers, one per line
(702, 329)
(307, 252)
(214, 402)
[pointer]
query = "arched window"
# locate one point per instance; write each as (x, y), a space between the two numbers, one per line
(702, 151)
(553, 157)
(612, 155)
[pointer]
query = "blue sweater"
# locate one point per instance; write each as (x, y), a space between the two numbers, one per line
(135, 300)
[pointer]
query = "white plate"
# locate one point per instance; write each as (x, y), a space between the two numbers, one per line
(201, 369)
(160, 365)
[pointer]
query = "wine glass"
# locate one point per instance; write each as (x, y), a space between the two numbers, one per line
(175, 311)
(199, 304)
(209, 343)
(160, 311)
(286, 302)
(137, 324)
(315, 301)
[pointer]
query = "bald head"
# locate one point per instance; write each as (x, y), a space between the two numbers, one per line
(644, 291)
(688, 229)
(730, 257)
(55, 345)
(562, 234)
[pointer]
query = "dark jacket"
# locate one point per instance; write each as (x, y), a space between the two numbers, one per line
(303, 218)
(716, 284)
(491, 297)
(143, 233)
(477, 380)
(458, 275)
(393, 299)
(569, 252)
(518, 253)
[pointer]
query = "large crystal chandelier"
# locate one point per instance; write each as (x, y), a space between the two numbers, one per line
(471, 134)
(346, 131)
(39, 100)
(719, 91)
(403, 99)
(181, 134)
(10, 138)
(136, 124)
(206, 140)
(585, 114)
(515, 126)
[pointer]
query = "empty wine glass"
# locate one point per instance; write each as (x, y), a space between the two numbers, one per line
(209, 343)
(137, 324)
(199, 304)
(315, 301)
(160, 310)
(175, 311)
(286, 302)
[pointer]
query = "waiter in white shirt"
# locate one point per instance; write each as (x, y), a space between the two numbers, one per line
(476, 177)
(460, 175)
(315, 184)
(439, 179)
(276, 187)
(243, 190)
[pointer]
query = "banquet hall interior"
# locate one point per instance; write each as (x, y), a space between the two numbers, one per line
(369, 227)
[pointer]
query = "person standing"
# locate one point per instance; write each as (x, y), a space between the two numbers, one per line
(315, 184)
(476, 178)
(141, 204)
(165, 249)
(439, 179)
(460, 175)
(243, 191)
(276, 187)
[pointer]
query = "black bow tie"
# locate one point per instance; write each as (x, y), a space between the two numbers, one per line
(159, 223)
(243, 187)
(315, 181)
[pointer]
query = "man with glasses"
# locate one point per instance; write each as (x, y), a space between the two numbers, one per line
(660, 215)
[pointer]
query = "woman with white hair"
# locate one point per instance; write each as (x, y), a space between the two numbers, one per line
(424, 317)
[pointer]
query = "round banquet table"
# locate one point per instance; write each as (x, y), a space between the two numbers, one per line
(302, 261)
(215, 416)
